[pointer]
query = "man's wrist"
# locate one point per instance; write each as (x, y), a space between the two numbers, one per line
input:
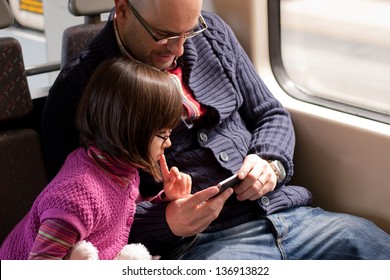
(278, 168)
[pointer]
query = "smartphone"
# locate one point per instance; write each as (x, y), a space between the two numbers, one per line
(230, 182)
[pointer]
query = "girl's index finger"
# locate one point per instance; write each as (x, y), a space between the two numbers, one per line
(164, 166)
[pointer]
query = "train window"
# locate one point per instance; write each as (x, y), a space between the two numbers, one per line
(336, 53)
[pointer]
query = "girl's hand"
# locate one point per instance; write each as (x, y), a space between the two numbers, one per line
(176, 183)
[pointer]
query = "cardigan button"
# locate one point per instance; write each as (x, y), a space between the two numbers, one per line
(203, 137)
(130, 221)
(264, 200)
(224, 157)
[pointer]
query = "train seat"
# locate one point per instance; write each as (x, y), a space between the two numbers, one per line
(22, 169)
(75, 38)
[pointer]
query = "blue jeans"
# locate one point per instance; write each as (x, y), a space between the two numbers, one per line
(299, 233)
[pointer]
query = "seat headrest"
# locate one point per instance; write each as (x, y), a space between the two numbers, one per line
(90, 7)
(15, 98)
(6, 16)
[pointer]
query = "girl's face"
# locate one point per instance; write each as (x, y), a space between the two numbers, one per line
(159, 143)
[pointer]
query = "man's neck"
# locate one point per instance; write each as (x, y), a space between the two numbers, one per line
(125, 52)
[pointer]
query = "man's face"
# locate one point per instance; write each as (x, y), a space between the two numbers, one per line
(164, 18)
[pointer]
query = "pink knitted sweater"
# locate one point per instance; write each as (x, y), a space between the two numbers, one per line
(87, 198)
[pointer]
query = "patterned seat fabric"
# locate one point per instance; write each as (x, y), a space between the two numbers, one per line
(75, 38)
(15, 100)
(22, 169)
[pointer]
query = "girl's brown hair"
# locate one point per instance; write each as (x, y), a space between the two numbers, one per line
(125, 104)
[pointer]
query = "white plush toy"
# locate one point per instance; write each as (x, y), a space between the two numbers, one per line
(86, 251)
(134, 252)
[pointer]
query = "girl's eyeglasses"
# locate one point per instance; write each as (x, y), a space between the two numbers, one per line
(165, 138)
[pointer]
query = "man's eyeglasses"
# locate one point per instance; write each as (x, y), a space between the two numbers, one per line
(202, 26)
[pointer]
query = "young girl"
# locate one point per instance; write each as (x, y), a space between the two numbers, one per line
(125, 117)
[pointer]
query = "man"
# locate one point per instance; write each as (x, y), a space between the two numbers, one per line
(231, 124)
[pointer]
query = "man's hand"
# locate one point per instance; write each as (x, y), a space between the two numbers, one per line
(258, 178)
(192, 214)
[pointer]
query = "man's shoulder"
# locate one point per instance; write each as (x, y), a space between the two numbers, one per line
(217, 29)
(212, 19)
(70, 79)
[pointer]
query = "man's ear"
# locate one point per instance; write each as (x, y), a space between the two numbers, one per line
(122, 11)
(121, 8)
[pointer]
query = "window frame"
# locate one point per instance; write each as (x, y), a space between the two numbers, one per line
(288, 85)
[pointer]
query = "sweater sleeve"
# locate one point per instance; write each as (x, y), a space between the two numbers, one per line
(54, 240)
(268, 123)
(273, 135)
(59, 134)
(285, 198)
(150, 227)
